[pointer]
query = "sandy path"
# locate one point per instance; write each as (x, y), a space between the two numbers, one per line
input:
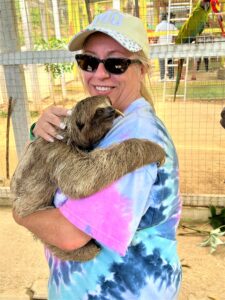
(21, 258)
(22, 263)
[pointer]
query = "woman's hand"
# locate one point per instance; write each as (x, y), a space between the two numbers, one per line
(50, 119)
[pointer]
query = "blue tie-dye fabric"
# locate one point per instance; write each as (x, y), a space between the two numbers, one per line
(150, 268)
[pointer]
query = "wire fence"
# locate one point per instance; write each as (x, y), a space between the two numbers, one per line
(37, 71)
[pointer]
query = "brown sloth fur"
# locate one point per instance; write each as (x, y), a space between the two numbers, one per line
(69, 164)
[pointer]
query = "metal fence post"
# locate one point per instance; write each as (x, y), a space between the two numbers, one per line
(14, 75)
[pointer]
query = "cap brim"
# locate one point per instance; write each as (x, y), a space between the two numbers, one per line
(78, 40)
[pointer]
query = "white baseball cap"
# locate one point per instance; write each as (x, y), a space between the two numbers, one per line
(126, 29)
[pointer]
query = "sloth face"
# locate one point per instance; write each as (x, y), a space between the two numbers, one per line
(91, 119)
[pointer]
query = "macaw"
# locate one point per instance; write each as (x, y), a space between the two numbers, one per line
(193, 27)
(216, 8)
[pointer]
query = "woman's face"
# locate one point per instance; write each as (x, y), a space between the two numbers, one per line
(122, 89)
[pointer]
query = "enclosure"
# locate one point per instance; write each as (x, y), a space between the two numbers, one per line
(36, 71)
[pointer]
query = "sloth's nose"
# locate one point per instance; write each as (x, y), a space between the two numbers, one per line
(110, 111)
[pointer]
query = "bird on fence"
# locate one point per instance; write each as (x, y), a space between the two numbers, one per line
(192, 27)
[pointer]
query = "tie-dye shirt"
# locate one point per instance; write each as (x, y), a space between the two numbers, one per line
(134, 220)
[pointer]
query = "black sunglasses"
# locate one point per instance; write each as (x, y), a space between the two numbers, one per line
(112, 65)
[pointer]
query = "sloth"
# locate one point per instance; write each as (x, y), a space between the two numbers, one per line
(75, 167)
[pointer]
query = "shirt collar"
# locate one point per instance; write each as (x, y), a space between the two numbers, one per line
(137, 104)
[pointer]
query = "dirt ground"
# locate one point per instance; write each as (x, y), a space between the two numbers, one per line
(23, 263)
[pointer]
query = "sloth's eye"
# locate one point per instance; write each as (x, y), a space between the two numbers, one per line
(99, 111)
(79, 125)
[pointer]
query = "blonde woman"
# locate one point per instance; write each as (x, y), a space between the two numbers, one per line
(134, 220)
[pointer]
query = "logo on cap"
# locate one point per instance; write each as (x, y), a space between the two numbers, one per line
(108, 18)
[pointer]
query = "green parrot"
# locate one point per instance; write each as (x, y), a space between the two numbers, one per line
(192, 27)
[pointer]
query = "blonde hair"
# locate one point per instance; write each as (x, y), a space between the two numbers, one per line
(146, 90)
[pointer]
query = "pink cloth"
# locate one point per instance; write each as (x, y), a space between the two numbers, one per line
(104, 212)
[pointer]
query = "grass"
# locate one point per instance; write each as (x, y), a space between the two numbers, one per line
(33, 114)
(213, 91)
(197, 90)
(3, 114)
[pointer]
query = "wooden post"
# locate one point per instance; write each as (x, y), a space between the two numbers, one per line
(88, 11)
(136, 8)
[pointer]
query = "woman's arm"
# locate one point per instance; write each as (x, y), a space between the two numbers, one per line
(53, 228)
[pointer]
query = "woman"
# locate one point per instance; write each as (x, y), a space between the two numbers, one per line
(135, 219)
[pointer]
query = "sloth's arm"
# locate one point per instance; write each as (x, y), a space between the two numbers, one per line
(82, 177)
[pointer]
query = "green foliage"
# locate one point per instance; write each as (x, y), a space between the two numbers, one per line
(19, 21)
(35, 17)
(56, 69)
(210, 90)
(217, 220)
(52, 43)
(213, 240)
(3, 114)
(34, 113)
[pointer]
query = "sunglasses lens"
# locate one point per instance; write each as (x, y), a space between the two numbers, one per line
(87, 63)
(117, 65)
(112, 65)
